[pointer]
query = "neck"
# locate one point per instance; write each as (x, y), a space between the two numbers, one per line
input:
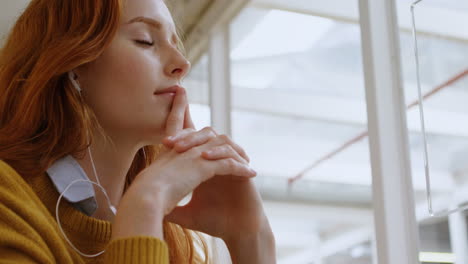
(112, 162)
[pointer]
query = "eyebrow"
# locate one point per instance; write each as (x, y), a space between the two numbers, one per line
(146, 20)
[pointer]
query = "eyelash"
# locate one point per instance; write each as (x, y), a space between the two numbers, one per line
(144, 42)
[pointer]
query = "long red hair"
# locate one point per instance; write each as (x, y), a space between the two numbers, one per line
(42, 118)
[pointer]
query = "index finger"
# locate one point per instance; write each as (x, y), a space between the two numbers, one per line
(175, 120)
(188, 123)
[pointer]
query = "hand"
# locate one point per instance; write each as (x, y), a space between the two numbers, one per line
(159, 187)
(224, 206)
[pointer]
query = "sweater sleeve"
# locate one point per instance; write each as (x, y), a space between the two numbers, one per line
(20, 238)
(21, 242)
(12, 256)
(139, 249)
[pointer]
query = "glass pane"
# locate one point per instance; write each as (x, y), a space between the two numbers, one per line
(443, 55)
(298, 95)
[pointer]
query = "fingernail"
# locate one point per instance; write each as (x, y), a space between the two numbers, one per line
(170, 137)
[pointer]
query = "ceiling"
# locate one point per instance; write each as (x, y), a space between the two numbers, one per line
(186, 14)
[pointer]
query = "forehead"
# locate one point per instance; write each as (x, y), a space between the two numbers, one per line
(154, 9)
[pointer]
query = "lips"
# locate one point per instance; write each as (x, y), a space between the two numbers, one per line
(172, 89)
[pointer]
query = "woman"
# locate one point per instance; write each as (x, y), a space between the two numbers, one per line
(96, 135)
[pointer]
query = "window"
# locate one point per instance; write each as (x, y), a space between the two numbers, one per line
(297, 97)
(443, 55)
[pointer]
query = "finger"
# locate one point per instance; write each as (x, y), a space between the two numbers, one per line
(232, 167)
(223, 152)
(191, 140)
(236, 147)
(171, 140)
(175, 120)
(188, 122)
(239, 150)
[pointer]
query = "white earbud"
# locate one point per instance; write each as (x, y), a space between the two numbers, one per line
(72, 77)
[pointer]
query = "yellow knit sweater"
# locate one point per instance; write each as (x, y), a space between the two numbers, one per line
(29, 232)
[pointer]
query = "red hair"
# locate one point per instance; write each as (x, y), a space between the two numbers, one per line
(42, 118)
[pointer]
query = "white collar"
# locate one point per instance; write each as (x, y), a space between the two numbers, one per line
(66, 170)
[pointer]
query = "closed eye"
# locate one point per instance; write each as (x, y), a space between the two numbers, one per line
(144, 42)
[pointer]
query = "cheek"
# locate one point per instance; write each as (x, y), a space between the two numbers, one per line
(133, 69)
(125, 79)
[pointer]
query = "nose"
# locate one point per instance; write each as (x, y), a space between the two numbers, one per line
(178, 67)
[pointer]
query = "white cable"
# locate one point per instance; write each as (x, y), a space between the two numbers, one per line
(430, 209)
(114, 211)
(57, 217)
(94, 168)
(75, 84)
